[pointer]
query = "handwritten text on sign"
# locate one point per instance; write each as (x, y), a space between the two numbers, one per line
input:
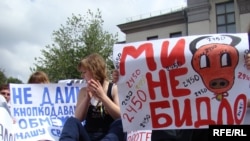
(186, 82)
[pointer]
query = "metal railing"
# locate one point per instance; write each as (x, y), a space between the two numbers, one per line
(155, 13)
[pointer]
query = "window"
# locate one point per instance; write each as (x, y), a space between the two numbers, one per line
(225, 17)
(152, 38)
(176, 34)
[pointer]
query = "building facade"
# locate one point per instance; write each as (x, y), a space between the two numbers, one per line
(198, 17)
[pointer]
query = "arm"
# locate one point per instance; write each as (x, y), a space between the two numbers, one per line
(112, 106)
(82, 104)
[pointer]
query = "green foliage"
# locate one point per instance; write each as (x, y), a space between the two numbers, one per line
(5, 80)
(81, 36)
(14, 80)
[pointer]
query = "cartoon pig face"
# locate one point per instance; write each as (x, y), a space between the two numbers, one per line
(216, 63)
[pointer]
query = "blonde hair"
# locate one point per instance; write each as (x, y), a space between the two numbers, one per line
(96, 64)
(38, 77)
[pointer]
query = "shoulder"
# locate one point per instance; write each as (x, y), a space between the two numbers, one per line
(114, 90)
(114, 86)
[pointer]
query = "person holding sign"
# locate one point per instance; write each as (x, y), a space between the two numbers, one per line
(97, 104)
(5, 92)
(182, 134)
(39, 77)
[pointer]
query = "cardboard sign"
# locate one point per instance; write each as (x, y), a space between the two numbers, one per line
(185, 82)
(41, 110)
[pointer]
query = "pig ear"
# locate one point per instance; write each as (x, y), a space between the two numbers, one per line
(235, 40)
(192, 45)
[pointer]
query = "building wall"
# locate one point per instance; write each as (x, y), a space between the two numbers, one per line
(162, 32)
(160, 26)
(202, 16)
(244, 18)
(199, 17)
(195, 28)
(245, 22)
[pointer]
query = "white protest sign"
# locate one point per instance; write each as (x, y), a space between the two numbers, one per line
(6, 122)
(41, 110)
(140, 135)
(180, 83)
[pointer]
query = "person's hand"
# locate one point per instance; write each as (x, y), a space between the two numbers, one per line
(247, 61)
(96, 88)
(115, 75)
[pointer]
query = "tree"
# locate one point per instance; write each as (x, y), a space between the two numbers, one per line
(14, 80)
(80, 36)
(4, 79)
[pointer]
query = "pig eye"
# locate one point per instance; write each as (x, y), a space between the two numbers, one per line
(204, 61)
(225, 60)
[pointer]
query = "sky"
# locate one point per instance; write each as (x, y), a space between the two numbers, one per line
(26, 26)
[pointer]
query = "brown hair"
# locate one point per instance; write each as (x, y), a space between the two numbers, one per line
(96, 64)
(38, 77)
(4, 87)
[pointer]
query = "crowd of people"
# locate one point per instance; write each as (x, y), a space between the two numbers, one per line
(98, 105)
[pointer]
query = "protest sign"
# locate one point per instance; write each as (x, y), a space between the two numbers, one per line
(6, 122)
(40, 110)
(139, 135)
(182, 83)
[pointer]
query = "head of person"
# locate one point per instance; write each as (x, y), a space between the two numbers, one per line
(38, 77)
(93, 67)
(5, 91)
